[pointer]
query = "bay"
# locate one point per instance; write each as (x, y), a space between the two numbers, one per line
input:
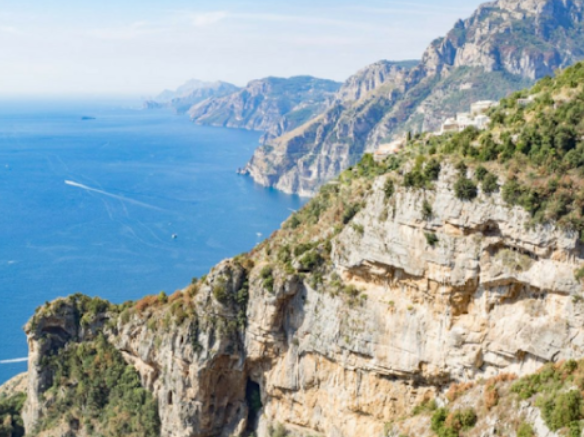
(106, 199)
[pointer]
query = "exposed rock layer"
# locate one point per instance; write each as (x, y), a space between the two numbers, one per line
(273, 105)
(494, 295)
(503, 47)
(190, 94)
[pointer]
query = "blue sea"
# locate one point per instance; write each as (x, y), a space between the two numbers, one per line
(92, 194)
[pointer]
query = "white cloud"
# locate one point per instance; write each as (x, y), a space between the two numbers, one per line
(205, 19)
(301, 19)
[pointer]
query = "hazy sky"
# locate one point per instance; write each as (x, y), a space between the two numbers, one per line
(139, 47)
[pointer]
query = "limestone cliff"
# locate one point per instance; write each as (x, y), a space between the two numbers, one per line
(345, 362)
(401, 287)
(503, 47)
(189, 94)
(272, 105)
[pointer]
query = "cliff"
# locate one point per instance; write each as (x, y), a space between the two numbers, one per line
(273, 105)
(503, 47)
(190, 94)
(433, 279)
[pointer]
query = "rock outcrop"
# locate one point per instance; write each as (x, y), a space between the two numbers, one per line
(494, 295)
(190, 94)
(272, 105)
(502, 48)
(455, 266)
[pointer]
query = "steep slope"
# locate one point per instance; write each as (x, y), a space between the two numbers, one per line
(190, 94)
(503, 47)
(399, 288)
(273, 105)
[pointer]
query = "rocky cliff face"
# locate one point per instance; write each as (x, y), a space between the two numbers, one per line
(190, 94)
(435, 278)
(272, 105)
(343, 349)
(373, 77)
(502, 48)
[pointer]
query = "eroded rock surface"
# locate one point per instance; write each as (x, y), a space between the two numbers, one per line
(493, 295)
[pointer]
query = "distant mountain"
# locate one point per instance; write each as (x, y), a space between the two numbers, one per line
(505, 46)
(273, 105)
(189, 94)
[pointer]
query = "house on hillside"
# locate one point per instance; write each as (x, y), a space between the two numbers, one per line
(385, 150)
(476, 117)
(482, 107)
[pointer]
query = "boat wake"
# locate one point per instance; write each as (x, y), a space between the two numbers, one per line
(15, 360)
(115, 196)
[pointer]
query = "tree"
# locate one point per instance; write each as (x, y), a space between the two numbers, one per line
(432, 170)
(490, 184)
(465, 189)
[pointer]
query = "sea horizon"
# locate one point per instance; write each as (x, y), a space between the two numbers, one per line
(110, 200)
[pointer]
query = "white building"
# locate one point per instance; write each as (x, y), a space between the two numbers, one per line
(525, 102)
(482, 107)
(385, 150)
(476, 117)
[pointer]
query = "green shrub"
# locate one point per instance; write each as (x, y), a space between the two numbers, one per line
(93, 382)
(462, 420)
(431, 239)
(415, 179)
(461, 168)
(220, 291)
(490, 183)
(425, 407)
(525, 430)
(311, 260)
(547, 379)
(11, 423)
(301, 249)
(427, 212)
(438, 419)
(389, 188)
(579, 274)
(350, 213)
(267, 274)
(480, 173)
(562, 410)
(465, 189)
(294, 221)
(432, 170)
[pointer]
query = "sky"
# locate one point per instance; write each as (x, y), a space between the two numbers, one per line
(140, 47)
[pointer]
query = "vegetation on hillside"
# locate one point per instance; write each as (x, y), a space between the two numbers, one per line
(11, 424)
(93, 388)
(533, 152)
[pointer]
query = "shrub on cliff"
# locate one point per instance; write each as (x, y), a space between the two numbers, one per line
(563, 410)
(267, 275)
(465, 189)
(389, 188)
(490, 183)
(93, 382)
(525, 430)
(11, 424)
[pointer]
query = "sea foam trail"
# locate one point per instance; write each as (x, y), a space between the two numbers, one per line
(105, 193)
(15, 360)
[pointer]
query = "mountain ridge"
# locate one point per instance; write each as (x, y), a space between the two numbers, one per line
(419, 295)
(189, 94)
(273, 105)
(503, 47)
